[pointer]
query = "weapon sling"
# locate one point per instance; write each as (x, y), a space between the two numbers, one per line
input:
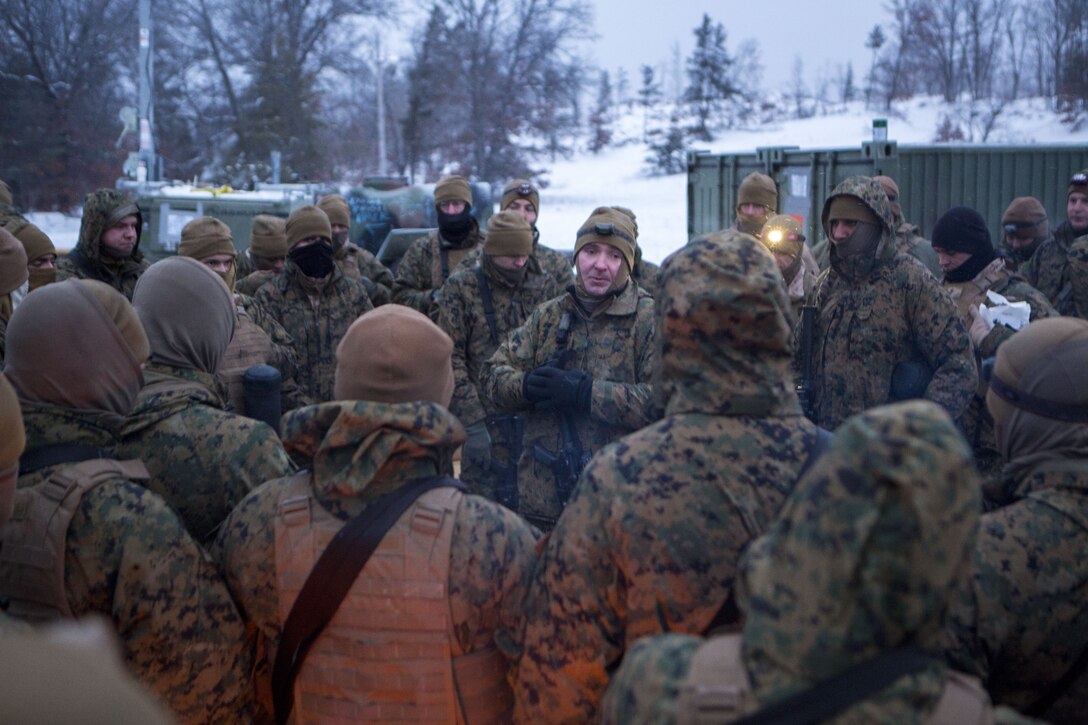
(489, 305)
(331, 579)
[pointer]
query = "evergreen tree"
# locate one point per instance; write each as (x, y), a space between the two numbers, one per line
(669, 156)
(600, 121)
(649, 94)
(709, 75)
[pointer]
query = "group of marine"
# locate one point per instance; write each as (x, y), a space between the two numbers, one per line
(766, 482)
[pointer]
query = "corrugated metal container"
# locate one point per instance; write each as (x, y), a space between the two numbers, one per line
(931, 179)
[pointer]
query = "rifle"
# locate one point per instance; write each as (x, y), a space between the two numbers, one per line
(567, 463)
(804, 387)
(511, 428)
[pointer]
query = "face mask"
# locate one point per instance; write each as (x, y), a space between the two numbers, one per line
(455, 227)
(863, 241)
(41, 276)
(229, 276)
(315, 260)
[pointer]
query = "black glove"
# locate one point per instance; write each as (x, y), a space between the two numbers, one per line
(552, 387)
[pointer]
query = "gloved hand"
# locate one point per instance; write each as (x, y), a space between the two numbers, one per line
(552, 387)
(477, 449)
(979, 329)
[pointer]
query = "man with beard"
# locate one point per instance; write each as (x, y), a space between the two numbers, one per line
(108, 249)
(1024, 228)
(879, 313)
(579, 369)
(353, 260)
(313, 300)
(481, 306)
(429, 261)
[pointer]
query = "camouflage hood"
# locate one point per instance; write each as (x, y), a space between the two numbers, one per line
(723, 330)
(354, 446)
(864, 557)
(101, 210)
(168, 391)
(872, 195)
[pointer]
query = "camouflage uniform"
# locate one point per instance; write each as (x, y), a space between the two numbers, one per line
(1078, 268)
(864, 557)
(554, 264)
(978, 425)
(359, 451)
(909, 240)
(464, 318)
(356, 263)
(615, 346)
(1049, 271)
(315, 326)
(649, 542)
(87, 261)
(426, 266)
(895, 312)
(128, 557)
(202, 459)
(645, 273)
(253, 281)
(282, 355)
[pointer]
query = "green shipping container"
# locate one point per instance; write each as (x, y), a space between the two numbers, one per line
(931, 179)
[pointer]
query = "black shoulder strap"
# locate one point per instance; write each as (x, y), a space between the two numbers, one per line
(40, 457)
(331, 579)
(489, 304)
(823, 439)
(827, 699)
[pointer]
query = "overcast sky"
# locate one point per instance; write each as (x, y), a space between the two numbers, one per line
(826, 35)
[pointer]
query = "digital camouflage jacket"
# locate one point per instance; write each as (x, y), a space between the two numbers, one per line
(426, 266)
(202, 459)
(615, 346)
(649, 543)
(87, 260)
(356, 452)
(895, 312)
(129, 558)
(315, 324)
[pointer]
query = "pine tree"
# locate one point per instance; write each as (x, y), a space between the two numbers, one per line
(670, 155)
(709, 68)
(600, 121)
(649, 94)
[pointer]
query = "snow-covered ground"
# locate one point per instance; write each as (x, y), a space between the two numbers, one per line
(618, 176)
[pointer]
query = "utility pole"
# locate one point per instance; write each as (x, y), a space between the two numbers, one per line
(148, 165)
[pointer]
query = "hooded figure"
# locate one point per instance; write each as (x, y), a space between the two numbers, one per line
(429, 261)
(1021, 626)
(388, 427)
(126, 554)
(649, 543)
(107, 211)
(865, 557)
(877, 309)
(202, 459)
(581, 361)
(483, 305)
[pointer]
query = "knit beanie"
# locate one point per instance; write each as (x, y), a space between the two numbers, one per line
(783, 234)
(508, 235)
(453, 188)
(1079, 182)
(35, 242)
(759, 189)
(851, 208)
(608, 226)
(269, 236)
(630, 215)
(517, 189)
(12, 434)
(336, 208)
(13, 270)
(205, 237)
(963, 229)
(305, 222)
(1026, 212)
(394, 354)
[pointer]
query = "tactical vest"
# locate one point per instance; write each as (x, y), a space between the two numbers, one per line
(32, 542)
(444, 261)
(389, 654)
(973, 292)
(249, 346)
(717, 690)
